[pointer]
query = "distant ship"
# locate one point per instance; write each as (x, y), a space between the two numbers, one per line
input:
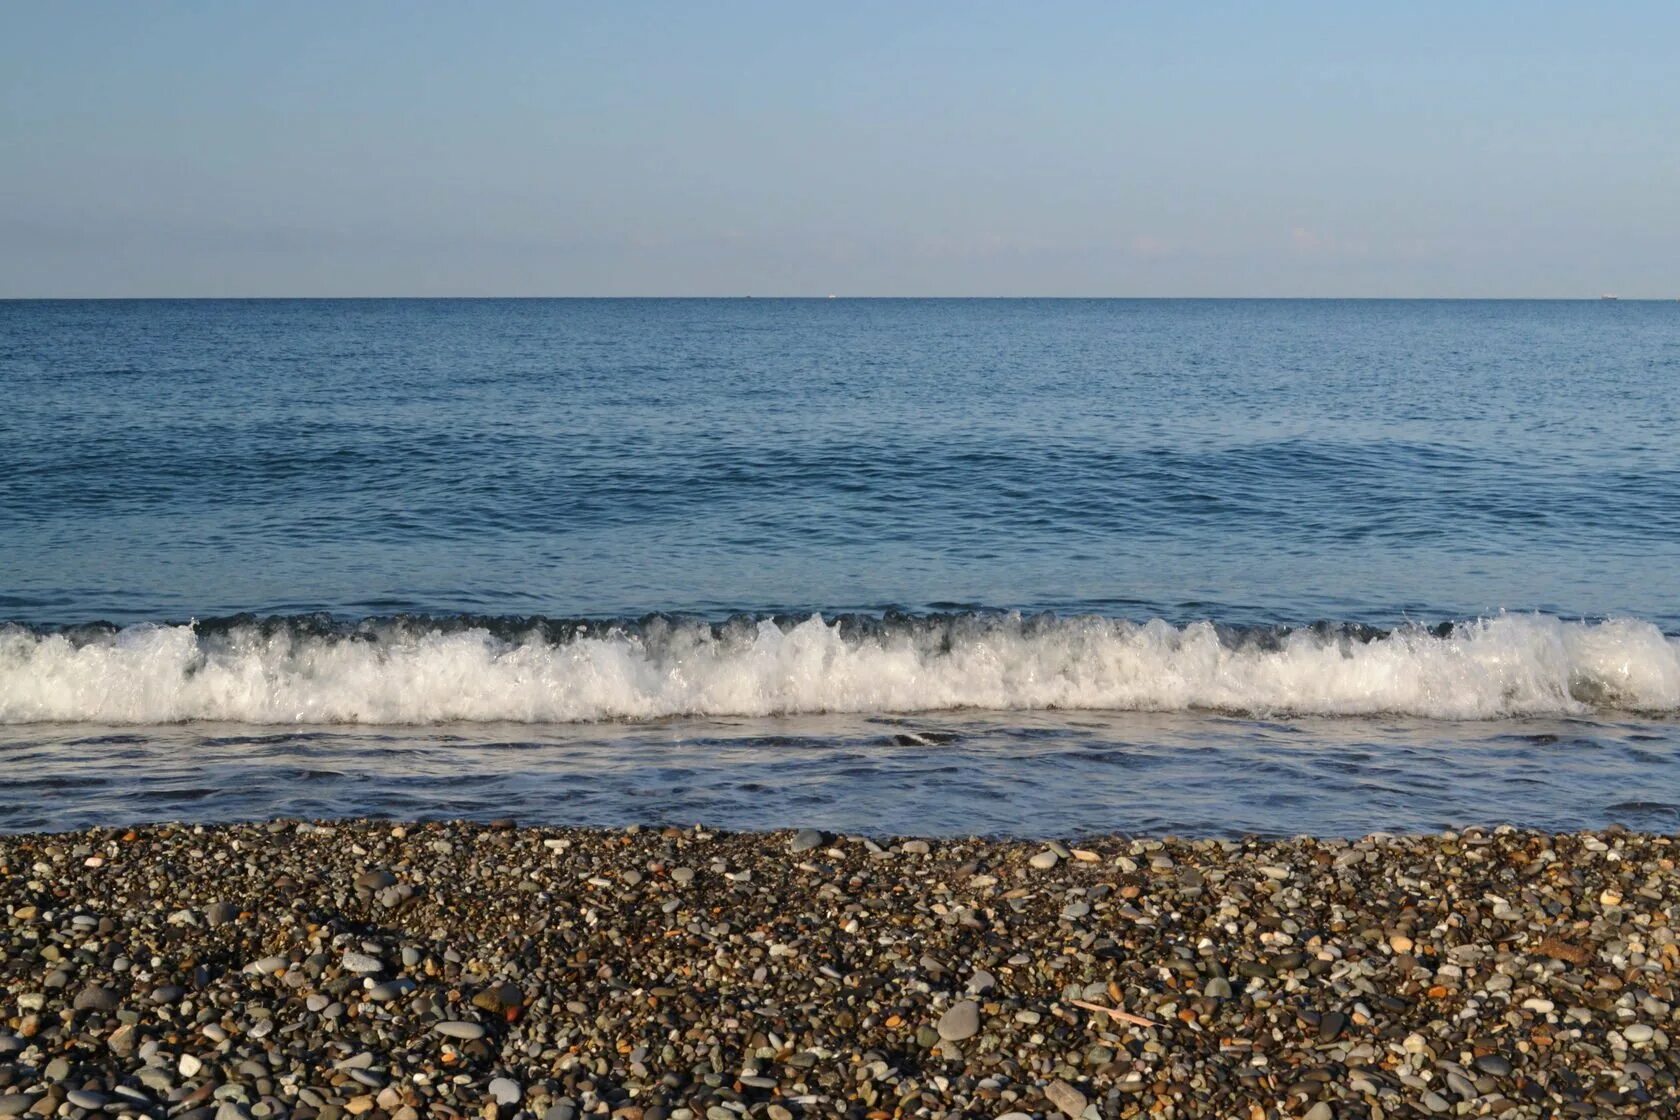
(1607, 295)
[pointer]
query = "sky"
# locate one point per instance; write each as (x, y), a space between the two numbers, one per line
(908, 148)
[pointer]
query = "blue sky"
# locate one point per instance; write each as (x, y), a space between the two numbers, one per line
(875, 149)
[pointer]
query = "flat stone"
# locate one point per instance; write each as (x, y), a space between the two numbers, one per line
(81, 1098)
(806, 839)
(96, 998)
(459, 1028)
(155, 1079)
(505, 1090)
(390, 990)
(1638, 1032)
(361, 962)
(220, 913)
(1044, 861)
(499, 998)
(1065, 1097)
(961, 1021)
(15, 1104)
(1496, 1065)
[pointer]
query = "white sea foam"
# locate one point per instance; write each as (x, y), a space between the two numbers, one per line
(1505, 666)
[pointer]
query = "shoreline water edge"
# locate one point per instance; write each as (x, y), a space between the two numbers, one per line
(310, 971)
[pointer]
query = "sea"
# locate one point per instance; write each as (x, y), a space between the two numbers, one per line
(999, 567)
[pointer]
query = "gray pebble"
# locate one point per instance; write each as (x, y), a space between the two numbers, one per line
(1065, 1097)
(95, 998)
(960, 1022)
(806, 839)
(1495, 1064)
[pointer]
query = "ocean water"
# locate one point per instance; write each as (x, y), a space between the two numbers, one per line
(1039, 567)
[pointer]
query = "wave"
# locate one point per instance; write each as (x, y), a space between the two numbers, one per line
(313, 670)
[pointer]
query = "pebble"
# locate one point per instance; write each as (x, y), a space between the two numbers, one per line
(96, 998)
(806, 839)
(1065, 1097)
(960, 1022)
(390, 990)
(958, 980)
(1496, 1065)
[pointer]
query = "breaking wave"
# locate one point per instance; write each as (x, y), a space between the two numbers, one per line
(311, 670)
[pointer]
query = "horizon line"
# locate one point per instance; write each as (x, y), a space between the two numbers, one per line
(837, 296)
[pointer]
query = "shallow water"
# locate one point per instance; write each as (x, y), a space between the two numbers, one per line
(1205, 566)
(990, 773)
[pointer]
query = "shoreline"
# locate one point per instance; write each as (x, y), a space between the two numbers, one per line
(368, 968)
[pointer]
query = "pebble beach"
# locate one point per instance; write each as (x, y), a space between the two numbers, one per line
(292, 971)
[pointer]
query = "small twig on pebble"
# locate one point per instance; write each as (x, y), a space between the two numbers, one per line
(1116, 1013)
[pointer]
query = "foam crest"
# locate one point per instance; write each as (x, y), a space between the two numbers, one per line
(283, 673)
